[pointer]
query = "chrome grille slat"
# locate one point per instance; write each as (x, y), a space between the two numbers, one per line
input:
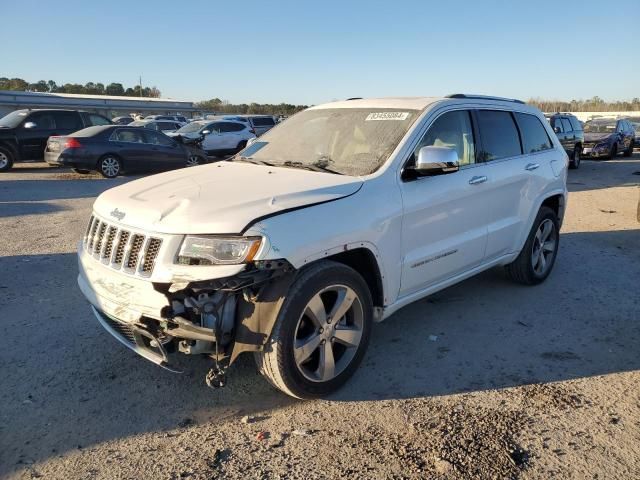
(121, 249)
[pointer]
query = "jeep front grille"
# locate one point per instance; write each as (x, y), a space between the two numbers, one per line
(120, 248)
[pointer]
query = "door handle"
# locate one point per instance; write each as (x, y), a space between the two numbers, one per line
(532, 166)
(477, 179)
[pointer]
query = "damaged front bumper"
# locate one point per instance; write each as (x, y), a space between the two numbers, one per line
(220, 317)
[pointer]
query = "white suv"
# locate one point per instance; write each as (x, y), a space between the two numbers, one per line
(331, 221)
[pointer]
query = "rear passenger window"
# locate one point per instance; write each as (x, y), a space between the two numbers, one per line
(129, 136)
(453, 130)
(499, 135)
(566, 125)
(98, 120)
(68, 120)
(534, 135)
(263, 121)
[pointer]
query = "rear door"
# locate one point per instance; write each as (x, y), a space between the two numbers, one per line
(130, 144)
(231, 134)
(33, 140)
(444, 226)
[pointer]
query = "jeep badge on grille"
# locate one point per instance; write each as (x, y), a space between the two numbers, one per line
(117, 214)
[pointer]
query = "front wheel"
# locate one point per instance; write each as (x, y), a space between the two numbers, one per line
(6, 159)
(321, 333)
(109, 166)
(575, 158)
(536, 260)
(614, 151)
(629, 151)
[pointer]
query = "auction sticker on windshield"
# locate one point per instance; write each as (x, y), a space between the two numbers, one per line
(387, 116)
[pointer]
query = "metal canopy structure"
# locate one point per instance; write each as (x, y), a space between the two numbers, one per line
(103, 104)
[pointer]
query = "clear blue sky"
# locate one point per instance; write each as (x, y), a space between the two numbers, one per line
(312, 52)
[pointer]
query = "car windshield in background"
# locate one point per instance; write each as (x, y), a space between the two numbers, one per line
(348, 141)
(13, 119)
(192, 127)
(600, 127)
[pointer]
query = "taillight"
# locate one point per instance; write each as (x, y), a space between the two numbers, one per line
(72, 143)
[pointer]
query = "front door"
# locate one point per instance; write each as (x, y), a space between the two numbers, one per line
(444, 227)
(164, 152)
(41, 125)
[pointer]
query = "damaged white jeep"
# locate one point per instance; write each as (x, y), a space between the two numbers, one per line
(329, 222)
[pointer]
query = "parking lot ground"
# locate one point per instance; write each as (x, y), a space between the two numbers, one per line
(486, 379)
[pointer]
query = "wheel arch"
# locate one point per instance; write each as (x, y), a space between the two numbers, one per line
(556, 200)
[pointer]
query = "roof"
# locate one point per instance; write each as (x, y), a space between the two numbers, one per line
(411, 103)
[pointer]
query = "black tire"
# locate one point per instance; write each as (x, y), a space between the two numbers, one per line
(522, 269)
(81, 171)
(111, 159)
(629, 151)
(574, 163)
(277, 363)
(6, 159)
(614, 151)
(241, 146)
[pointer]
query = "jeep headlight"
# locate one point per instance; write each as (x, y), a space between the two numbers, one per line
(213, 250)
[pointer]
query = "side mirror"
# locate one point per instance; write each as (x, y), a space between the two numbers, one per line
(30, 125)
(556, 129)
(206, 132)
(436, 161)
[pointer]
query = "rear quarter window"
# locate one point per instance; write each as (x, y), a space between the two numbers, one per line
(534, 136)
(499, 135)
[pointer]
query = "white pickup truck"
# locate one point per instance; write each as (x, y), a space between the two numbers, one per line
(331, 221)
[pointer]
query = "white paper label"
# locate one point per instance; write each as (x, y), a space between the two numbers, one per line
(387, 116)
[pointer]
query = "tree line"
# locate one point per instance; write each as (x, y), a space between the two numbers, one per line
(90, 88)
(595, 104)
(222, 106)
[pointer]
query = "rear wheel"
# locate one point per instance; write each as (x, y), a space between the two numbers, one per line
(575, 158)
(109, 166)
(629, 151)
(6, 159)
(536, 260)
(321, 333)
(195, 160)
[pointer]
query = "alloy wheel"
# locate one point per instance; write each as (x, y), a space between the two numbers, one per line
(328, 333)
(193, 160)
(110, 166)
(544, 247)
(4, 160)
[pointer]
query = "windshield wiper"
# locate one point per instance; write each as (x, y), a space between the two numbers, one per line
(315, 167)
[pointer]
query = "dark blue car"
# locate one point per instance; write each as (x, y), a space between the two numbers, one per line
(606, 137)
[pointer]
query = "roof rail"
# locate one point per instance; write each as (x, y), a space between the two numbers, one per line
(483, 97)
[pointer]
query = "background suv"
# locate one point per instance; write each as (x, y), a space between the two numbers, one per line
(606, 137)
(24, 133)
(221, 137)
(569, 131)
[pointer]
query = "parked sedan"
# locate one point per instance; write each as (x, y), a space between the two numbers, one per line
(164, 126)
(606, 137)
(112, 149)
(222, 137)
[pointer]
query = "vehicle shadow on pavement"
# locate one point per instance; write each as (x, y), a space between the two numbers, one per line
(16, 209)
(489, 333)
(597, 174)
(67, 384)
(44, 190)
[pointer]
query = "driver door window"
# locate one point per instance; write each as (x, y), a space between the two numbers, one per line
(452, 130)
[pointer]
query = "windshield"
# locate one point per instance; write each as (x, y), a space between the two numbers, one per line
(600, 127)
(192, 127)
(348, 141)
(13, 119)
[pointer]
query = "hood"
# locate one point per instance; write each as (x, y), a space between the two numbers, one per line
(596, 137)
(218, 198)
